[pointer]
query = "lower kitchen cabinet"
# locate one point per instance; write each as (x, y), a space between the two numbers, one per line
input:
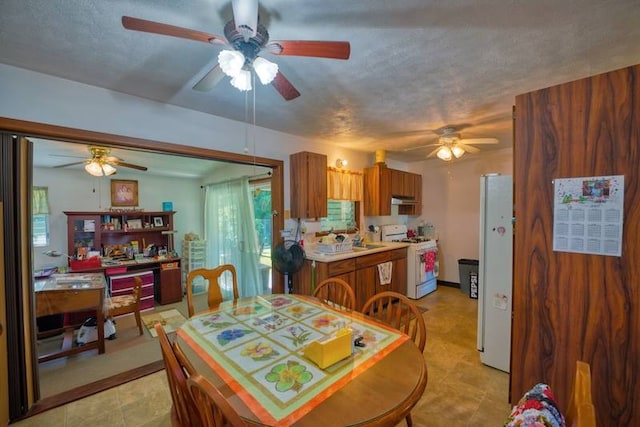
(360, 271)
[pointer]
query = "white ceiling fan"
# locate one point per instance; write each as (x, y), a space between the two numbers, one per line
(450, 144)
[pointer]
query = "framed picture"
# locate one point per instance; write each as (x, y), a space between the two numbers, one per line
(124, 192)
(157, 221)
(134, 224)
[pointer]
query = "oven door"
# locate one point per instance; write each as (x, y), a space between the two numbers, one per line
(427, 265)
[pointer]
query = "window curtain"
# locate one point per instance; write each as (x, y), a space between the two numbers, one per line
(344, 184)
(40, 201)
(229, 228)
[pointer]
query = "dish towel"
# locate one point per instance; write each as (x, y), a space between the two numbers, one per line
(429, 261)
(384, 272)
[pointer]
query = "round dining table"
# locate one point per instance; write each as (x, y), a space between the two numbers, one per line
(379, 392)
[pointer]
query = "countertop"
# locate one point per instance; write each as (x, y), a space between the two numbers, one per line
(313, 255)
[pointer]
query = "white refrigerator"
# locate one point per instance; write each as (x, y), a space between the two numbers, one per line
(495, 270)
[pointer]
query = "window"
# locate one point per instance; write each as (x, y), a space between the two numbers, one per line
(341, 215)
(40, 219)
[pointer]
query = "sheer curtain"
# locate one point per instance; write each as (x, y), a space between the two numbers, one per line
(229, 228)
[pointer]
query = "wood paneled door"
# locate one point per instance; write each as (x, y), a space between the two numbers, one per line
(571, 306)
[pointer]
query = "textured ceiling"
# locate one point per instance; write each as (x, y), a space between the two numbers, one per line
(415, 66)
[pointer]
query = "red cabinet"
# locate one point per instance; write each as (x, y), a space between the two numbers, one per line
(122, 284)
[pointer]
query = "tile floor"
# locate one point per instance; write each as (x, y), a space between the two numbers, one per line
(461, 391)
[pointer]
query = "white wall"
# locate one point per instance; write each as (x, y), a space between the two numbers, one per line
(71, 190)
(451, 202)
(27, 95)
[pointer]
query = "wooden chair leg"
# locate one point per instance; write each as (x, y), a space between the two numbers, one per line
(409, 420)
(138, 321)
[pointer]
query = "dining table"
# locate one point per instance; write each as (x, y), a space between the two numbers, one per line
(252, 350)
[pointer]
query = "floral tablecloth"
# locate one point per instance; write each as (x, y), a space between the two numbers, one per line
(256, 345)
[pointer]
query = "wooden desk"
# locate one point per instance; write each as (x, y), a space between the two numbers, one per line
(378, 385)
(66, 293)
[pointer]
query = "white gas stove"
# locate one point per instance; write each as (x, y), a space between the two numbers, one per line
(422, 260)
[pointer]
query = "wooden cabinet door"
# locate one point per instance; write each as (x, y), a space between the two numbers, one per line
(83, 231)
(399, 276)
(377, 190)
(367, 281)
(308, 185)
(170, 287)
(417, 191)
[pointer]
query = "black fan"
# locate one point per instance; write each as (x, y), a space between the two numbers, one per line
(288, 258)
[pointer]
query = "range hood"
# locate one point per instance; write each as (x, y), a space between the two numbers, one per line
(398, 200)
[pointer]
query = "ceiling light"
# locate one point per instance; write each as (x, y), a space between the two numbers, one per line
(266, 70)
(444, 153)
(457, 151)
(340, 163)
(93, 168)
(108, 169)
(231, 62)
(242, 80)
(245, 15)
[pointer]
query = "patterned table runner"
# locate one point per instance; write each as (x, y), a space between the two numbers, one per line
(256, 347)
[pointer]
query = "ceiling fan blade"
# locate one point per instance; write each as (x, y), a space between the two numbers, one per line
(284, 87)
(433, 153)
(420, 147)
(318, 49)
(69, 164)
(468, 148)
(210, 79)
(479, 141)
(137, 24)
(127, 165)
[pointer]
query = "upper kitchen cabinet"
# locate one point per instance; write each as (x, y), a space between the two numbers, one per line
(377, 190)
(381, 184)
(308, 185)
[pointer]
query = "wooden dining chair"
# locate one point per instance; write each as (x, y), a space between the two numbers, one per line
(212, 406)
(214, 294)
(125, 304)
(336, 293)
(581, 412)
(183, 410)
(397, 311)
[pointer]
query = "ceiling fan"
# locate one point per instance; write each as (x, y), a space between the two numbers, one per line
(246, 39)
(101, 164)
(450, 143)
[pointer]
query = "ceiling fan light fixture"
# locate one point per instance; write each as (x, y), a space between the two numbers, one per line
(231, 62)
(245, 16)
(108, 169)
(457, 151)
(242, 81)
(266, 70)
(444, 153)
(93, 168)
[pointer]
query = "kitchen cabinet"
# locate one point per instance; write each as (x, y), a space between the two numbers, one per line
(381, 183)
(308, 188)
(360, 271)
(377, 190)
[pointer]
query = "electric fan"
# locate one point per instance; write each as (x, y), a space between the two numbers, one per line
(288, 258)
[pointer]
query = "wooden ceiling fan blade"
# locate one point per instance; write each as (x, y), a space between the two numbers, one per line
(70, 164)
(479, 141)
(127, 165)
(137, 24)
(284, 87)
(210, 79)
(318, 49)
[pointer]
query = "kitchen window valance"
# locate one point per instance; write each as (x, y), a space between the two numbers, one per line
(344, 184)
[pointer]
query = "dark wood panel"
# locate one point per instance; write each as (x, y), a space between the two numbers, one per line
(566, 306)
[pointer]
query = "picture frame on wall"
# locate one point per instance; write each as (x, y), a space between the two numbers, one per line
(157, 221)
(124, 192)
